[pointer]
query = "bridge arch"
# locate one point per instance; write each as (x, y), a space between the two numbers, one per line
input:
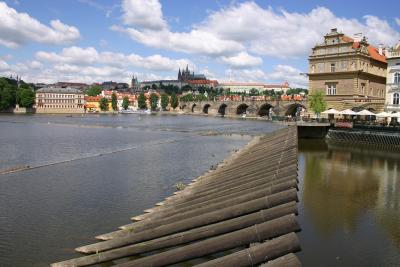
(205, 108)
(193, 106)
(242, 108)
(264, 110)
(222, 109)
(292, 109)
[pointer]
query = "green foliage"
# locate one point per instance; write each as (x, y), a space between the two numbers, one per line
(317, 102)
(187, 98)
(153, 101)
(8, 92)
(296, 91)
(104, 104)
(164, 101)
(125, 103)
(169, 89)
(253, 92)
(142, 101)
(26, 97)
(186, 88)
(94, 90)
(174, 101)
(154, 86)
(114, 103)
(180, 186)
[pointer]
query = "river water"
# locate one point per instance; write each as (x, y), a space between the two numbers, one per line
(90, 174)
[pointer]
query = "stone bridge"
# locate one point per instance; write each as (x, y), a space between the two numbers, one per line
(251, 108)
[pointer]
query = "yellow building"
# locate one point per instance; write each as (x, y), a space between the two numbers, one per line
(351, 72)
(93, 104)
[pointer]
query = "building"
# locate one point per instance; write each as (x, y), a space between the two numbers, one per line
(186, 75)
(351, 72)
(59, 100)
(393, 80)
(79, 86)
(238, 87)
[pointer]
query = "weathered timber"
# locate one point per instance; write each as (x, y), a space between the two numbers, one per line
(255, 233)
(184, 237)
(212, 204)
(289, 260)
(221, 195)
(257, 254)
(132, 237)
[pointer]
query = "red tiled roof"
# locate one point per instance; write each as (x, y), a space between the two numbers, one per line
(92, 98)
(372, 50)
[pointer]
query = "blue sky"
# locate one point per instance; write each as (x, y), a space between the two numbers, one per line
(97, 40)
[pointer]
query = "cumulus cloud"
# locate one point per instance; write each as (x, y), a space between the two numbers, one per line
(266, 31)
(144, 14)
(397, 21)
(242, 60)
(17, 29)
(247, 27)
(89, 56)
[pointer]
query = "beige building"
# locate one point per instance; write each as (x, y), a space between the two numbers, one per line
(393, 80)
(59, 100)
(351, 72)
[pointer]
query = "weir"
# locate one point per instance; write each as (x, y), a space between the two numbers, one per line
(247, 204)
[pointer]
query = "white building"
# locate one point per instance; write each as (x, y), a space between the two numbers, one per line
(237, 87)
(59, 100)
(392, 103)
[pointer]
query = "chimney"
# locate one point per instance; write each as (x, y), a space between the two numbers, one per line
(380, 49)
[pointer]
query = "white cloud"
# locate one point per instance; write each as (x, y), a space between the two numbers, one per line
(397, 21)
(17, 29)
(247, 27)
(242, 60)
(144, 14)
(279, 75)
(265, 31)
(89, 56)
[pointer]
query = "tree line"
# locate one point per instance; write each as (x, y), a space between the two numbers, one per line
(12, 94)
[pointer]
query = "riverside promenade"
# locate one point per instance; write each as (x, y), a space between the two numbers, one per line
(245, 208)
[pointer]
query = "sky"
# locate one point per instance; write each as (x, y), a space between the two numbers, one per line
(245, 41)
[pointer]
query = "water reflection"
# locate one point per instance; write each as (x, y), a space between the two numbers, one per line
(345, 191)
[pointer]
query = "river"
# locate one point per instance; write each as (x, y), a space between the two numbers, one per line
(90, 174)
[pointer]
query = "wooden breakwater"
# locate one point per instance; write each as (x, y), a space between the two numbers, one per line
(247, 204)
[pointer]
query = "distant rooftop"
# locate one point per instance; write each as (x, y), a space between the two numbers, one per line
(60, 90)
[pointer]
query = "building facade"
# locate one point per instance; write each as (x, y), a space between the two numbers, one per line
(59, 100)
(238, 87)
(351, 72)
(393, 80)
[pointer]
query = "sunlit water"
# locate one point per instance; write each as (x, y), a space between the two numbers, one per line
(95, 172)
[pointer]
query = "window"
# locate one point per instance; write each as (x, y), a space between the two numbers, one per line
(331, 89)
(397, 77)
(396, 98)
(333, 67)
(363, 89)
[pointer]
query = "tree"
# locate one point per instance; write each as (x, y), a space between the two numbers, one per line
(317, 102)
(114, 103)
(142, 101)
(253, 92)
(8, 89)
(104, 104)
(154, 86)
(26, 97)
(94, 90)
(174, 101)
(164, 101)
(125, 102)
(153, 101)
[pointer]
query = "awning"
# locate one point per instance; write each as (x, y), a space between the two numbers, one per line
(347, 112)
(365, 112)
(330, 111)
